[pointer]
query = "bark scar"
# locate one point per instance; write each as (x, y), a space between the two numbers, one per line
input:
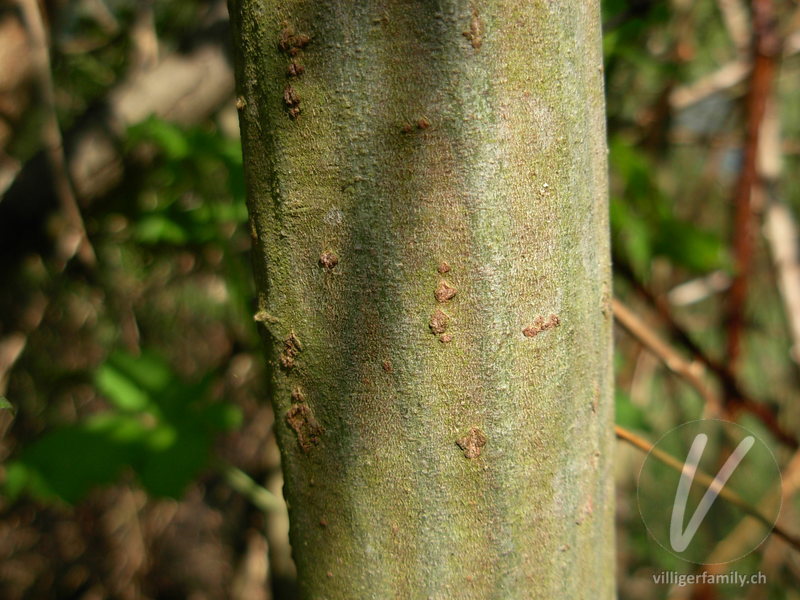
(541, 324)
(291, 348)
(292, 101)
(328, 260)
(444, 292)
(302, 421)
(472, 443)
(475, 32)
(290, 42)
(438, 322)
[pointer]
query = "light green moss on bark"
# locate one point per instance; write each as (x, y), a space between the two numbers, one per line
(416, 145)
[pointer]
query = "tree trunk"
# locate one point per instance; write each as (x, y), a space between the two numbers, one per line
(427, 191)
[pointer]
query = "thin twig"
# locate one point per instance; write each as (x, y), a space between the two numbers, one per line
(780, 229)
(737, 23)
(782, 237)
(705, 479)
(766, 50)
(773, 500)
(621, 267)
(737, 398)
(13, 344)
(691, 372)
(776, 555)
(74, 240)
(144, 38)
(698, 289)
(242, 483)
(727, 76)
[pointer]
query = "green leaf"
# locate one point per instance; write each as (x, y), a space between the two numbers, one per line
(120, 389)
(158, 228)
(132, 383)
(68, 462)
(16, 480)
(629, 415)
(162, 430)
(167, 136)
(173, 463)
(223, 417)
(148, 370)
(6, 405)
(631, 236)
(686, 245)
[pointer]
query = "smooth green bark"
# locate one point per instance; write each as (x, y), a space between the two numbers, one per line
(434, 445)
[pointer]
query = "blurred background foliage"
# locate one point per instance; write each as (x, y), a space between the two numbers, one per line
(135, 431)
